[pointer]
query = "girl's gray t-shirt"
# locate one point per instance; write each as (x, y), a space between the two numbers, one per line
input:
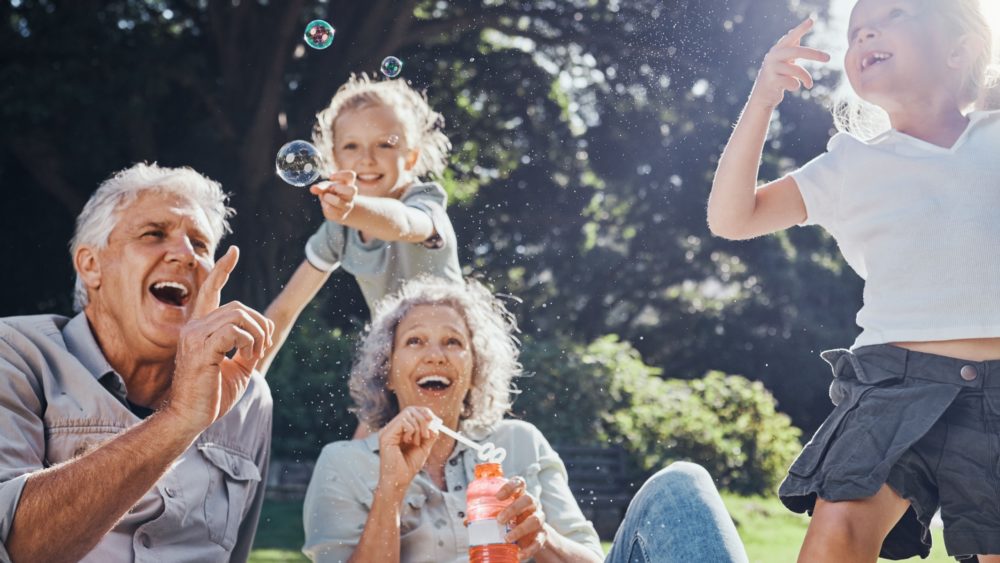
(382, 267)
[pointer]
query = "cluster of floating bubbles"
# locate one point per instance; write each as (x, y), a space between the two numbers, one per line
(391, 67)
(298, 163)
(319, 34)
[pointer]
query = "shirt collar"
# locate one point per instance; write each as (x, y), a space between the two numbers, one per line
(80, 342)
(907, 145)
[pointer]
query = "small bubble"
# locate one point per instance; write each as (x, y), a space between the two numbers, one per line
(319, 34)
(391, 67)
(393, 139)
(298, 163)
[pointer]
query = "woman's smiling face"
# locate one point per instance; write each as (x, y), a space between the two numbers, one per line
(432, 361)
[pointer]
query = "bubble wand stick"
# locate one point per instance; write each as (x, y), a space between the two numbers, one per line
(488, 452)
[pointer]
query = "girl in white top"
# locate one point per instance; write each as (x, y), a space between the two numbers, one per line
(914, 212)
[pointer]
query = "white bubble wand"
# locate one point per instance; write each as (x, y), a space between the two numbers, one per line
(488, 452)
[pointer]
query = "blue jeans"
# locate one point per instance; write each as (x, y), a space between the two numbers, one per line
(677, 515)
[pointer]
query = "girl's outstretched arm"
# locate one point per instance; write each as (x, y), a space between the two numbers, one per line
(736, 208)
(384, 218)
(286, 308)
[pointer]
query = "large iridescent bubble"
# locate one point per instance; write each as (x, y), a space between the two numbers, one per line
(319, 34)
(298, 163)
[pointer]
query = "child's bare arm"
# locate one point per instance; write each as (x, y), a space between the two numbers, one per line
(286, 308)
(736, 208)
(389, 219)
(383, 218)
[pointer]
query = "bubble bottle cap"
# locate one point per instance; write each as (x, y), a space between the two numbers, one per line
(487, 470)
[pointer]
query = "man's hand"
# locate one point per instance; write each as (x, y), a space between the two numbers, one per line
(206, 383)
(336, 196)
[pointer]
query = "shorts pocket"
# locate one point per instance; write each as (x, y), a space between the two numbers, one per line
(855, 375)
(813, 453)
(233, 478)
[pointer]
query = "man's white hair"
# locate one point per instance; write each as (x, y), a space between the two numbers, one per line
(101, 213)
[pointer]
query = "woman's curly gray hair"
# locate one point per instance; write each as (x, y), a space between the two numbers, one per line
(422, 124)
(494, 350)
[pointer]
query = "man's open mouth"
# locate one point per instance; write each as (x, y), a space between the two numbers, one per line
(433, 383)
(370, 177)
(170, 293)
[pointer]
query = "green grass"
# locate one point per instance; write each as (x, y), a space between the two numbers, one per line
(771, 533)
(279, 535)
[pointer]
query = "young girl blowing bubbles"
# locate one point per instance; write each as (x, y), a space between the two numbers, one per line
(915, 213)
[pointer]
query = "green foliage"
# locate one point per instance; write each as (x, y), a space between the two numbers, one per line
(603, 392)
(585, 133)
(726, 423)
(309, 383)
(567, 393)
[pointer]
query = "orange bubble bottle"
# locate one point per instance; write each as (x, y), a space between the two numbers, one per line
(486, 536)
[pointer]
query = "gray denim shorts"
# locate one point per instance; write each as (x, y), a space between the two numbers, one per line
(926, 425)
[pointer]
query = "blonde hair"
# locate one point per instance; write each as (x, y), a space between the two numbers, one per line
(422, 124)
(979, 89)
(494, 348)
(103, 210)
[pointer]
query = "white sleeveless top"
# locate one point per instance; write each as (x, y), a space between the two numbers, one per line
(920, 224)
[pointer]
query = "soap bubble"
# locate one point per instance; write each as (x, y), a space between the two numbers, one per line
(298, 163)
(319, 34)
(391, 67)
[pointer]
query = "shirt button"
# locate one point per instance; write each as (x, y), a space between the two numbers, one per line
(145, 541)
(461, 514)
(457, 488)
(236, 470)
(968, 372)
(453, 462)
(169, 492)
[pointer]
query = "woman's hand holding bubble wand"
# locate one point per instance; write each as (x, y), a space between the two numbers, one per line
(488, 452)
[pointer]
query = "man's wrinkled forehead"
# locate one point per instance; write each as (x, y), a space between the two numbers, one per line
(165, 209)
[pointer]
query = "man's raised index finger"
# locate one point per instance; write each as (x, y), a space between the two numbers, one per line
(210, 294)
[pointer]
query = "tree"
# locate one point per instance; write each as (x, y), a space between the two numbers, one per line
(585, 137)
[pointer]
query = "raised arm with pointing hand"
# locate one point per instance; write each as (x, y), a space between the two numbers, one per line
(206, 383)
(66, 509)
(737, 209)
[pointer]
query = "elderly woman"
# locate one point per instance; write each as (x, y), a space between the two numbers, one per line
(446, 350)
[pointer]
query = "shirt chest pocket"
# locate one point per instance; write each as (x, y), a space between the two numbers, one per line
(233, 478)
(69, 441)
(410, 514)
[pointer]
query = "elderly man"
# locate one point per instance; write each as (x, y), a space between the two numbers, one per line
(128, 433)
